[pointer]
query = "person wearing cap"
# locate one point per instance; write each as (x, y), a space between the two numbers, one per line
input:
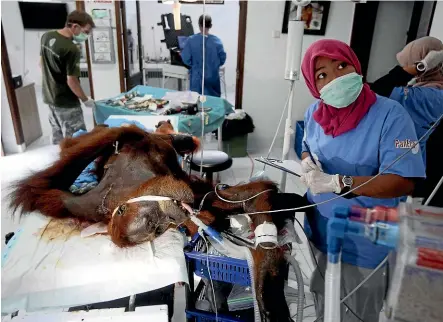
(215, 57)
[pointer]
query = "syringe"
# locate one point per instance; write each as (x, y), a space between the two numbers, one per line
(371, 215)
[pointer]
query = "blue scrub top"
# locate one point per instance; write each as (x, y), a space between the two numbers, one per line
(383, 134)
(215, 57)
(424, 105)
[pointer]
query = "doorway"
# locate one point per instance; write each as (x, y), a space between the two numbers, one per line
(229, 24)
(382, 28)
(132, 39)
(12, 128)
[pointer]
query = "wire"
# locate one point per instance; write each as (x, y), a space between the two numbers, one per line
(253, 165)
(433, 193)
(238, 201)
(203, 200)
(291, 88)
(210, 277)
(203, 87)
(355, 188)
(321, 274)
(306, 260)
(382, 263)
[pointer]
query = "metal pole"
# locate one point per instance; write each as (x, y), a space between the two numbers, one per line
(294, 44)
(287, 140)
(131, 306)
(434, 191)
(220, 141)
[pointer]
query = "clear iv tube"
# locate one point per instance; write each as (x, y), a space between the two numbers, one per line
(332, 291)
(203, 89)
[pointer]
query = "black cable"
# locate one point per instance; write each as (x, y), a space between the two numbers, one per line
(321, 274)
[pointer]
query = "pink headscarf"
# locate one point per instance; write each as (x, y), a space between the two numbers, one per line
(335, 121)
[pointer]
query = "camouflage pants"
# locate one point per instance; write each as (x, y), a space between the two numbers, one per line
(65, 121)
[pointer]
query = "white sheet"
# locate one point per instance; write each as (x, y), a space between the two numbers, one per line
(38, 273)
(157, 313)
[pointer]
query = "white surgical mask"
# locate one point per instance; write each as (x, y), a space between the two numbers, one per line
(81, 37)
(342, 91)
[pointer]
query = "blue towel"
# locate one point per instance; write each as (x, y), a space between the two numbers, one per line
(87, 180)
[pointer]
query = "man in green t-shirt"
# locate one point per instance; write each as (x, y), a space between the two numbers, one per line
(60, 63)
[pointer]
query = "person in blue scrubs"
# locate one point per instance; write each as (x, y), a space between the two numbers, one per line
(423, 100)
(215, 57)
(353, 135)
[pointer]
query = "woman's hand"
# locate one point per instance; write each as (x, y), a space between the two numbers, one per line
(307, 165)
(385, 186)
(320, 182)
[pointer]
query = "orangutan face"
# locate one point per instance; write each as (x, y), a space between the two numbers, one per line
(136, 222)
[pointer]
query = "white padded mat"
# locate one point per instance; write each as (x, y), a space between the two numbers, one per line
(58, 269)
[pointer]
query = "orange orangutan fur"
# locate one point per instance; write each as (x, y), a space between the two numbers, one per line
(47, 191)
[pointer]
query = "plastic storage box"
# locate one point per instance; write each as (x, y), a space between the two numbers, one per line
(225, 269)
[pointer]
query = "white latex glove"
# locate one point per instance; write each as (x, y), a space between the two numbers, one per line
(320, 182)
(433, 59)
(308, 165)
(89, 103)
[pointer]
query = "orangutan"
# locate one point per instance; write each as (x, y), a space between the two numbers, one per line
(133, 163)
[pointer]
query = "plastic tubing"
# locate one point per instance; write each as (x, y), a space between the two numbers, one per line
(250, 260)
(332, 291)
(300, 286)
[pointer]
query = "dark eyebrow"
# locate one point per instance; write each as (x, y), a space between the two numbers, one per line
(321, 67)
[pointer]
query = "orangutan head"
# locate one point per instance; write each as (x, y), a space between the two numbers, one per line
(137, 220)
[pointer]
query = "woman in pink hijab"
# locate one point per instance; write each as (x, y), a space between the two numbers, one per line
(353, 135)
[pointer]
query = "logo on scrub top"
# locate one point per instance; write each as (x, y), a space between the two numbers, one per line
(407, 144)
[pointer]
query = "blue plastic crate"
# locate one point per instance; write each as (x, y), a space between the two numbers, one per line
(201, 316)
(223, 269)
(299, 132)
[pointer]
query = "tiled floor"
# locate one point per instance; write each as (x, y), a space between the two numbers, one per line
(40, 155)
